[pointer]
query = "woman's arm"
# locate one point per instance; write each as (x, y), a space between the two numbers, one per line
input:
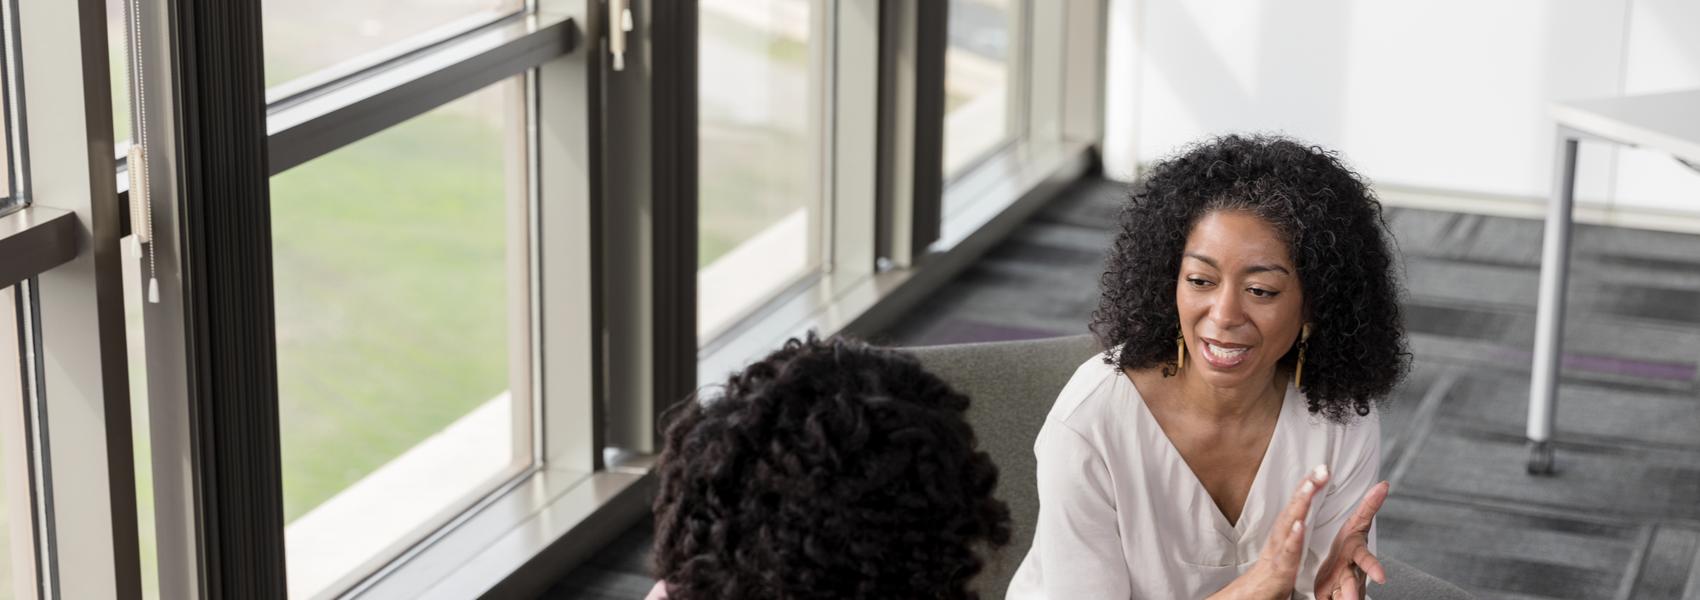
(1077, 541)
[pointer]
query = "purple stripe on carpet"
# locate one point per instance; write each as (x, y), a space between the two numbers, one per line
(964, 331)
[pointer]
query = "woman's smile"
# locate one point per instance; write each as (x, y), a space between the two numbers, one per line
(1223, 355)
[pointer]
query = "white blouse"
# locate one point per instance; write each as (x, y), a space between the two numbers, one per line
(1121, 515)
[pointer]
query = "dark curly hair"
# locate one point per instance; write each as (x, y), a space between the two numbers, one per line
(1334, 231)
(830, 469)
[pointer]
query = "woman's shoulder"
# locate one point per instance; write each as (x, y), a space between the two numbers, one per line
(1094, 390)
(1355, 432)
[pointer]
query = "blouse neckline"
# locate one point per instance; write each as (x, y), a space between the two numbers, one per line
(1236, 530)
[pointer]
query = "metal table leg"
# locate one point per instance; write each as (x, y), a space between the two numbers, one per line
(1549, 315)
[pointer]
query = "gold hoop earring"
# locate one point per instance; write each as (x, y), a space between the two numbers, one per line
(1299, 371)
(1180, 352)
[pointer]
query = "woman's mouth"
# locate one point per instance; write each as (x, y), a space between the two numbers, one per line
(1223, 355)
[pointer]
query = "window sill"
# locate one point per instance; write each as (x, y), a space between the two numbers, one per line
(377, 518)
(34, 240)
(514, 546)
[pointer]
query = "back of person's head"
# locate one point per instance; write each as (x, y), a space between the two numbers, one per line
(830, 469)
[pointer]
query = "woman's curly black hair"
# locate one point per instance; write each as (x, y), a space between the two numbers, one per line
(1335, 233)
(830, 469)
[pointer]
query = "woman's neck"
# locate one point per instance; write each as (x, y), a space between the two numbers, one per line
(1229, 403)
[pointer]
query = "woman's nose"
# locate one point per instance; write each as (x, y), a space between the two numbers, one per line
(1225, 309)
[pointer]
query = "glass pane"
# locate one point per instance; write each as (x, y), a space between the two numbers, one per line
(8, 578)
(141, 436)
(118, 62)
(760, 77)
(976, 82)
(7, 202)
(16, 541)
(395, 324)
(304, 36)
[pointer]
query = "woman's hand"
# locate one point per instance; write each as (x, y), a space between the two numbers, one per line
(1277, 567)
(1343, 574)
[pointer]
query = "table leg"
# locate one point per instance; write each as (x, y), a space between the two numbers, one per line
(1549, 314)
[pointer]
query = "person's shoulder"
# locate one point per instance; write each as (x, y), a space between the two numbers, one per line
(1089, 392)
(659, 592)
(1354, 435)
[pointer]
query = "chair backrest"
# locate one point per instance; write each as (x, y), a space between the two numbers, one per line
(1013, 385)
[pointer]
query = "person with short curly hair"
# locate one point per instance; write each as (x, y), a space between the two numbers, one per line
(1250, 317)
(829, 469)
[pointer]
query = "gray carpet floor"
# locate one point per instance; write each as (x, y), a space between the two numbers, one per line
(1619, 519)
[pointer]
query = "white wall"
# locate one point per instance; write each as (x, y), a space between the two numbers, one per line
(1664, 55)
(1443, 94)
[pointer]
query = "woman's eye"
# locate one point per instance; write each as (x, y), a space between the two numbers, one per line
(1263, 293)
(1198, 283)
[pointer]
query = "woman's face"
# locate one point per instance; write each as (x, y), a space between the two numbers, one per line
(1239, 300)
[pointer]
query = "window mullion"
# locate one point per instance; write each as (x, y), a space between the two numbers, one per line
(567, 337)
(854, 151)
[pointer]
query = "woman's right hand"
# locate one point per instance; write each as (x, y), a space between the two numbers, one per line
(1277, 567)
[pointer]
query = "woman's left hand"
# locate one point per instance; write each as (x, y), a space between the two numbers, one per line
(1343, 575)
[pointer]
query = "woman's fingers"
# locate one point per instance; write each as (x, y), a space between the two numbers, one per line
(1292, 517)
(1370, 564)
(1293, 550)
(1278, 566)
(1349, 588)
(1371, 504)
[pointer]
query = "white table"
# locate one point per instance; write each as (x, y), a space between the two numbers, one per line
(1668, 122)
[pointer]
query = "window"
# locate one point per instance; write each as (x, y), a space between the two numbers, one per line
(17, 578)
(136, 350)
(9, 200)
(18, 503)
(977, 91)
(8, 578)
(403, 219)
(761, 73)
(118, 59)
(312, 41)
(468, 368)
(399, 345)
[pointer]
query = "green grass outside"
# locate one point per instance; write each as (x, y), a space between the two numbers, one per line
(391, 297)
(751, 178)
(751, 175)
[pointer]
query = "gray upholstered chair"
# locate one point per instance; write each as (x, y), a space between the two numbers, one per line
(1013, 385)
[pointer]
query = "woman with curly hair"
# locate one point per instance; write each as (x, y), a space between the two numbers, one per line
(830, 469)
(1250, 316)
